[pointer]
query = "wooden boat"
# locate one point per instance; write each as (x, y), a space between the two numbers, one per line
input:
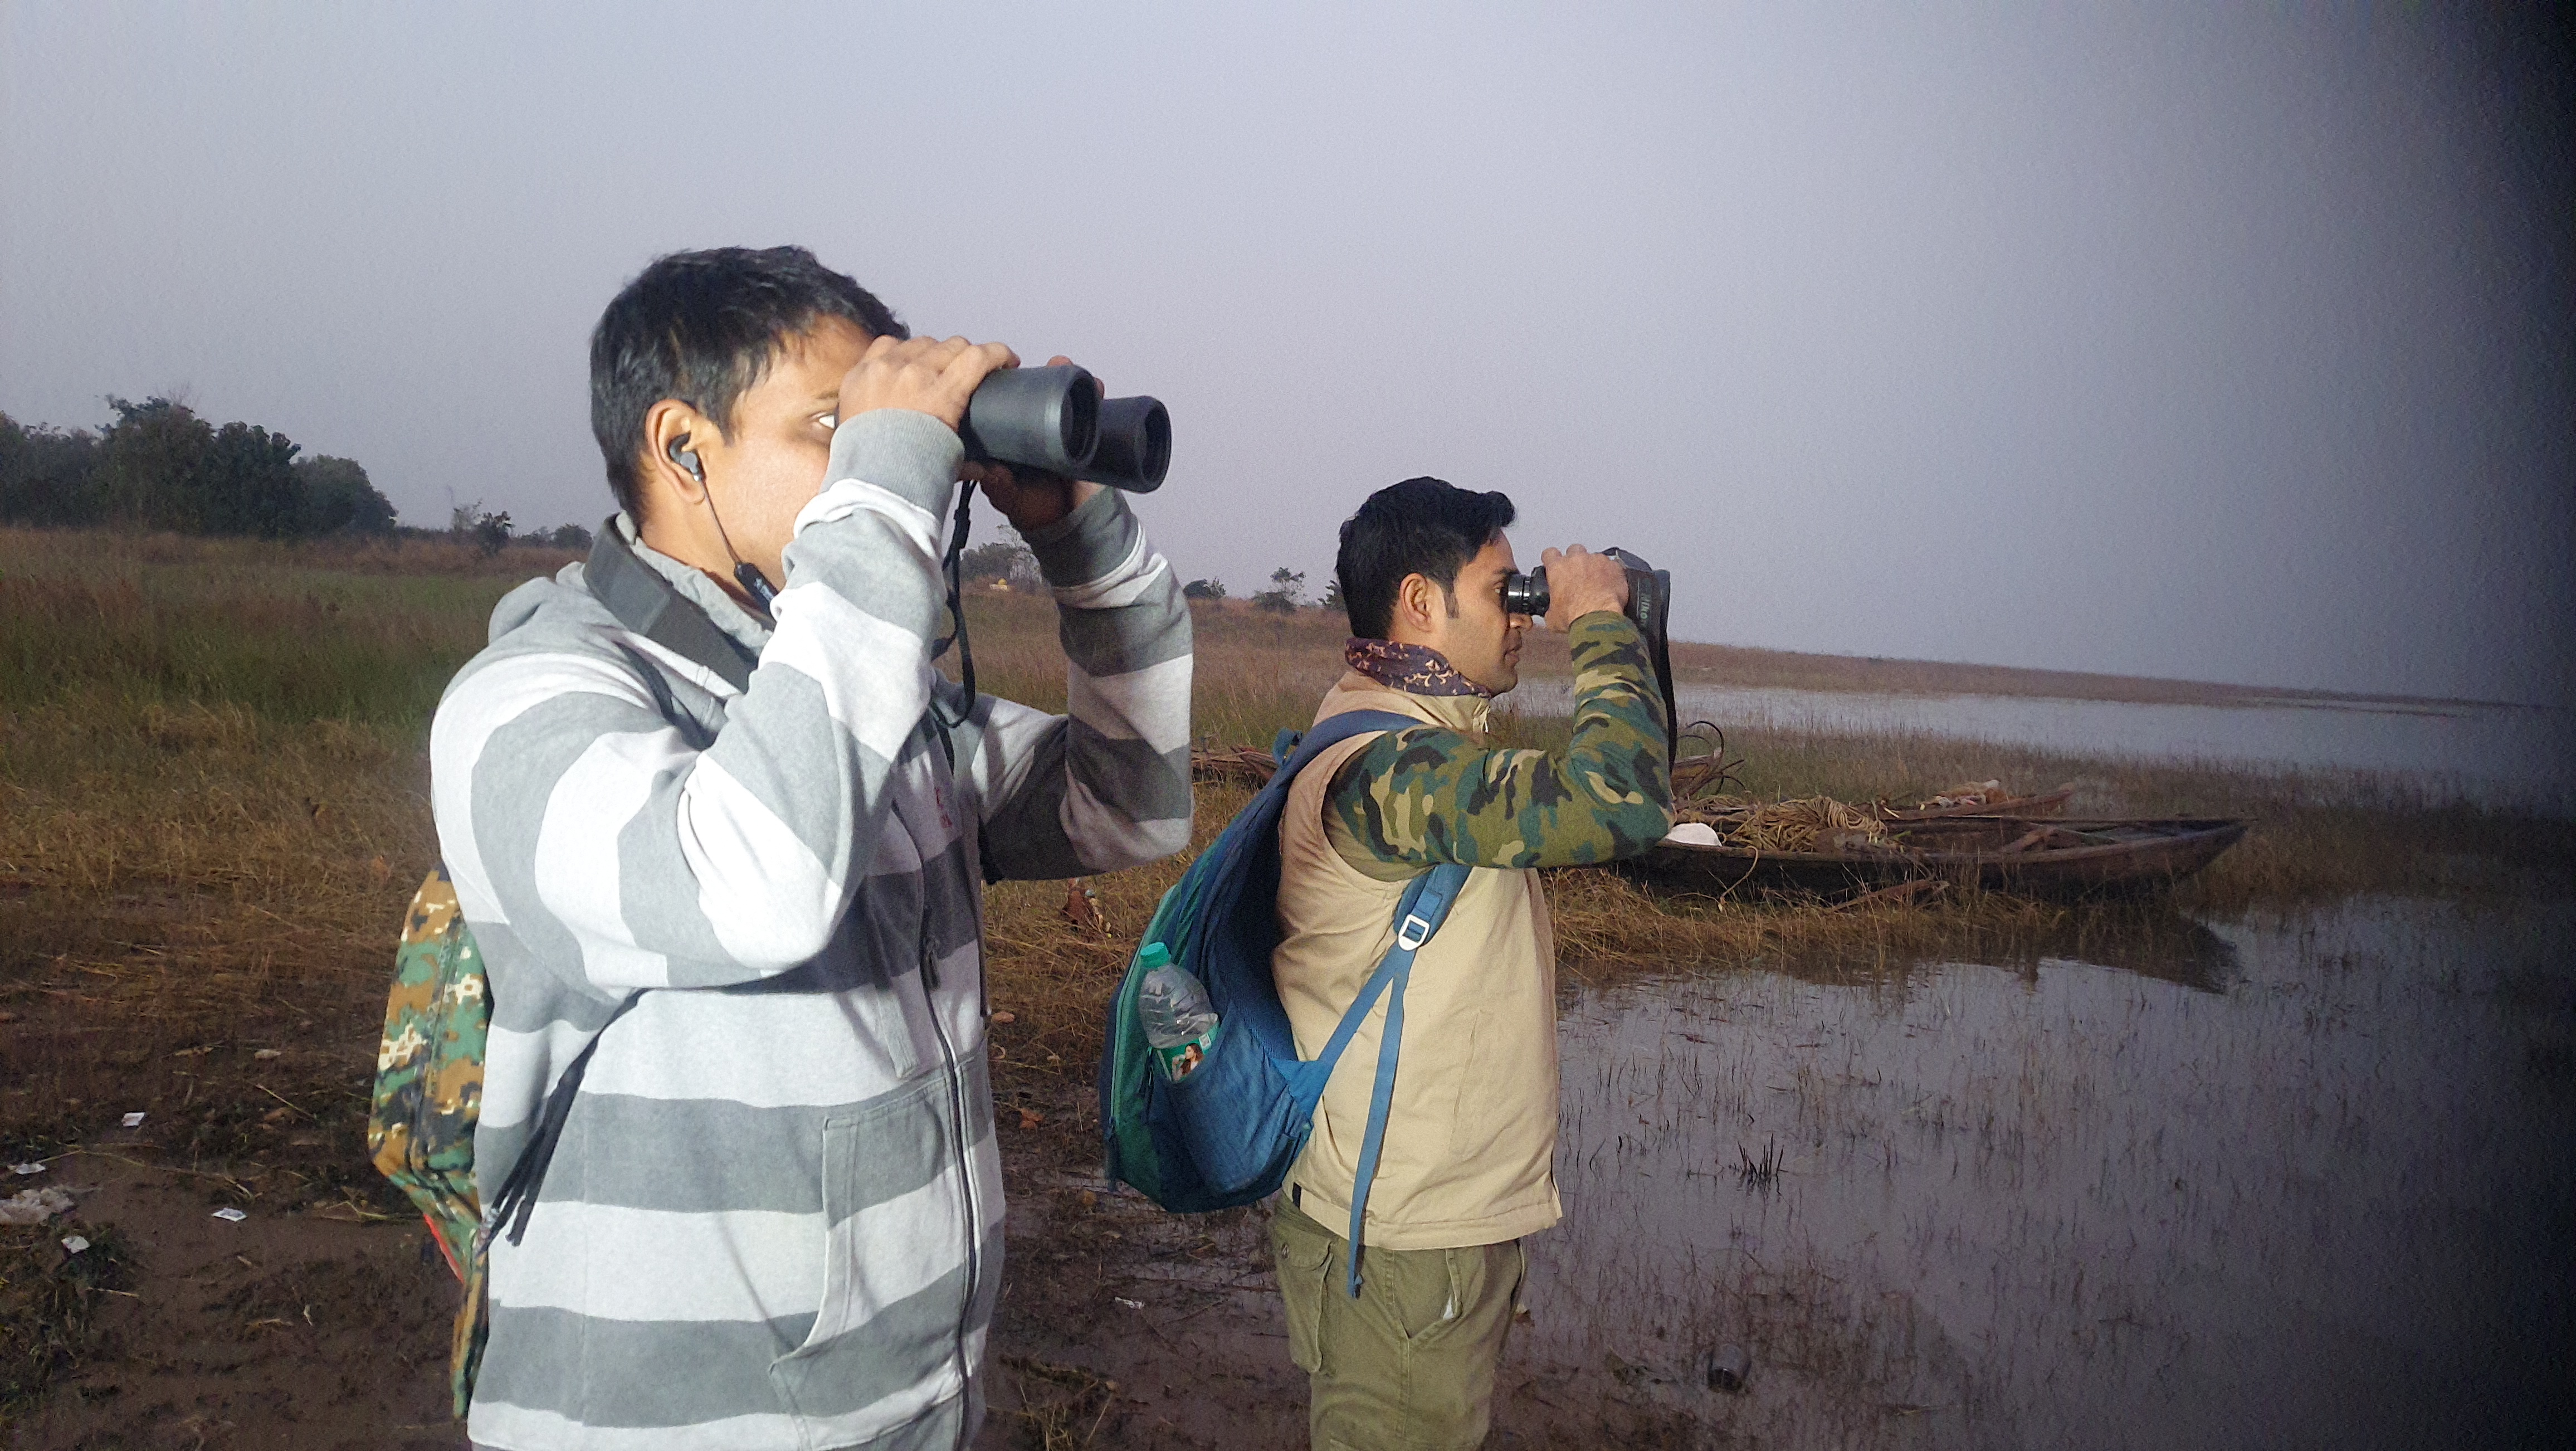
(2018, 845)
(2021, 854)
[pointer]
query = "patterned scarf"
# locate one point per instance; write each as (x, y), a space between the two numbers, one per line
(1413, 669)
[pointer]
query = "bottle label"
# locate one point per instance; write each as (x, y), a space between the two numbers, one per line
(1183, 1058)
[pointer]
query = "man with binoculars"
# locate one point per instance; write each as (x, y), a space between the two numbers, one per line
(720, 830)
(1465, 1167)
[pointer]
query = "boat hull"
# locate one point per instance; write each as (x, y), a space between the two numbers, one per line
(2026, 856)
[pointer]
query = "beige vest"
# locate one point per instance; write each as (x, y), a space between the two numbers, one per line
(1471, 1138)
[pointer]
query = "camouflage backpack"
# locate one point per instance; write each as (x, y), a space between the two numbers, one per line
(429, 1098)
(429, 1069)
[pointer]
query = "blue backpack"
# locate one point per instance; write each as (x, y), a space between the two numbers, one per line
(1227, 1134)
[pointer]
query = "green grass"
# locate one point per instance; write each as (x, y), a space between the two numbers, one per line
(293, 635)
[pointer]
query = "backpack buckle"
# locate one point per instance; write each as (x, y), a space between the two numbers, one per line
(1415, 932)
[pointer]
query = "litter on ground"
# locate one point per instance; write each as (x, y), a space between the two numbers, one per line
(34, 1206)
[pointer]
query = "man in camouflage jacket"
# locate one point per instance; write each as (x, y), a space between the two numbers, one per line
(1465, 1170)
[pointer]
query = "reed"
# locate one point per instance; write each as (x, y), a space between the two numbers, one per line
(1255, 674)
(240, 723)
(352, 632)
(213, 808)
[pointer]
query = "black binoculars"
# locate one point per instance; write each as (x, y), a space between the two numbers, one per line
(1650, 592)
(1054, 419)
(1650, 603)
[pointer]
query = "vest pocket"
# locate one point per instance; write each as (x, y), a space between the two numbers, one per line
(1468, 1126)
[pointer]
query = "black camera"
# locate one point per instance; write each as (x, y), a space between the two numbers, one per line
(1650, 603)
(1055, 419)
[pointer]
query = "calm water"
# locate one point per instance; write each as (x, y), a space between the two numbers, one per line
(2501, 754)
(2278, 1183)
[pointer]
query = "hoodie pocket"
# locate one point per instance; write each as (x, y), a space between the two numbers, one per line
(886, 1341)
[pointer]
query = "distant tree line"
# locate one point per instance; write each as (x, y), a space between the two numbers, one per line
(1287, 591)
(1286, 595)
(1004, 562)
(160, 466)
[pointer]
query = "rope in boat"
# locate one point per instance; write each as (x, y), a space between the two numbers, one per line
(1795, 825)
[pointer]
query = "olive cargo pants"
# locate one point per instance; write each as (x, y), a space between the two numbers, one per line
(1409, 1365)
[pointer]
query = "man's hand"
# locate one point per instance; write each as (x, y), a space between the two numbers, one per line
(1028, 498)
(1579, 582)
(926, 375)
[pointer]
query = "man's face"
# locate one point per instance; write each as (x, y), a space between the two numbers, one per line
(1480, 639)
(771, 461)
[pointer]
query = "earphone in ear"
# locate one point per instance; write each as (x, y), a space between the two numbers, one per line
(687, 458)
(753, 582)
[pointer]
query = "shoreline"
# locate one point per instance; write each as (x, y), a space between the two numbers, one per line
(213, 807)
(1757, 667)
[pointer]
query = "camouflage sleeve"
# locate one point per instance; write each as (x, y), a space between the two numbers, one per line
(1416, 798)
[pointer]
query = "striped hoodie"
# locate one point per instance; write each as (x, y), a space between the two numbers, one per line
(774, 1216)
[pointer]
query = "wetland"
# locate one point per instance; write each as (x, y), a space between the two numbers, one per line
(2280, 1159)
(2280, 1180)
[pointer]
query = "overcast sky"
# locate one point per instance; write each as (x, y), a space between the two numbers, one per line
(2227, 342)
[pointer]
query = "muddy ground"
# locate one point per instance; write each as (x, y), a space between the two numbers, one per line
(320, 1318)
(2241, 1113)
(316, 1328)
(325, 1325)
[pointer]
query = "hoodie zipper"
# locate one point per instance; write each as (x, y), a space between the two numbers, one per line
(965, 1169)
(956, 1105)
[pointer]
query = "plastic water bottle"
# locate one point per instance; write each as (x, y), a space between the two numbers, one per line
(1180, 1022)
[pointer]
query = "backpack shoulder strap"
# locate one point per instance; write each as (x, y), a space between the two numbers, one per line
(1295, 751)
(519, 1190)
(1413, 910)
(644, 602)
(1424, 906)
(1418, 915)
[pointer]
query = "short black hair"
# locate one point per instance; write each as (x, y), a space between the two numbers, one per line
(702, 327)
(1423, 526)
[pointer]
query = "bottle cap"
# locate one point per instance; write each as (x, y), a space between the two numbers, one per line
(1153, 955)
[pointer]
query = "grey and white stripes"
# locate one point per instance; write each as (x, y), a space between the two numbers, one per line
(774, 1216)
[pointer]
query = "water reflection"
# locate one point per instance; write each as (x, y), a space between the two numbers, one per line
(2148, 938)
(2301, 1181)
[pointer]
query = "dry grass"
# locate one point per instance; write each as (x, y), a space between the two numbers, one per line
(214, 748)
(366, 632)
(213, 807)
(1063, 1407)
(92, 551)
(1256, 672)
(49, 1301)
(181, 888)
